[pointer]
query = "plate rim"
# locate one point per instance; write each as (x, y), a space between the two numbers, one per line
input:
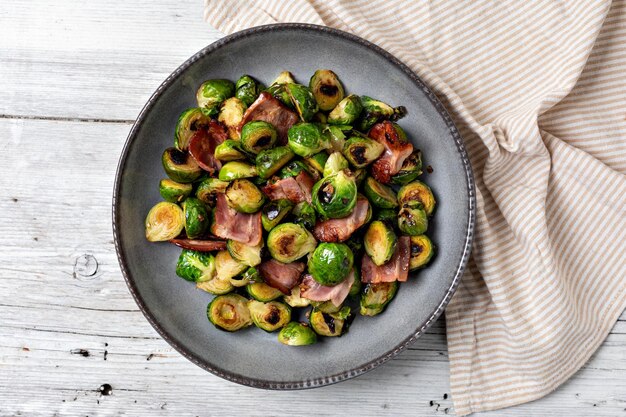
(326, 380)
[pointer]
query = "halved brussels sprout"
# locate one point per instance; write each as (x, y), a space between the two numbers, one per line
(380, 242)
(260, 291)
(412, 219)
(359, 176)
(180, 166)
(325, 306)
(306, 139)
(244, 254)
(270, 161)
(229, 150)
(375, 297)
(288, 242)
(195, 266)
(411, 169)
(335, 163)
(335, 196)
(229, 312)
(247, 89)
(279, 92)
(346, 112)
(173, 191)
(295, 300)
(244, 196)
(317, 161)
(274, 212)
(337, 138)
(235, 170)
(231, 114)
(379, 195)
(422, 251)
(226, 266)
(212, 93)
(326, 88)
(215, 286)
(329, 324)
(375, 111)
(303, 100)
(297, 334)
(164, 221)
(362, 151)
(209, 188)
(293, 168)
(250, 276)
(331, 263)
(389, 216)
(304, 214)
(257, 136)
(197, 219)
(284, 77)
(269, 316)
(417, 191)
(188, 123)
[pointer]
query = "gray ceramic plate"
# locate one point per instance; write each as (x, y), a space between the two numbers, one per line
(177, 310)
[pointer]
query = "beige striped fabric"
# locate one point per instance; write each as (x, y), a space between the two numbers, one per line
(538, 91)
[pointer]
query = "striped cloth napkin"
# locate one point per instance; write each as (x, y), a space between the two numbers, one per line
(538, 91)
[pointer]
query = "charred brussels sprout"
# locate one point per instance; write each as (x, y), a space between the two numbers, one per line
(244, 254)
(270, 161)
(317, 161)
(269, 316)
(164, 221)
(209, 188)
(293, 168)
(173, 191)
(231, 114)
(295, 299)
(380, 242)
(346, 112)
(229, 150)
(326, 88)
(304, 214)
(279, 92)
(235, 170)
(274, 212)
(260, 291)
(244, 196)
(180, 166)
(379, 195)
(422, 251)
(335, 196)
(257, 136)
(226, 266)
(329, 324)
(188, 123)
(197, 219)
(229, 312)
(195, 266)
(375, 111)
(412, 219)
(335, 163)
(288, 242)
(247, 89)
(212, 93)
(411, 169)
(284, 77)
(297, 334)
(375, 297)
(303, 100)
(362, 151)
(331, 263)
(306, 139)
(418, 191)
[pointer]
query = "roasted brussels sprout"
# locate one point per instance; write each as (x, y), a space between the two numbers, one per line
(244, 196)
(359, 176)
(229, 312)
(317, 161)
(325, 306)
(335, 163)
(270, 161)
(188, 123)
(279, 92)
(346, 112)
(337, 138)
(197, 219)
(215, 286)
(164, 221)
(362, 151)
(173, 191)
(243, 253)
(389, 216)
(229, 150)
(269, 316)
(375, 111)
(306, 139)
(412, 219)
(250, 276)
(274, 212)
(293, 168)
(235, 170)
(422, 251)
(247, 89)
(417, 191)
(257, 136)
(335, 196)
(303, 100)
(209, 188)
(297, 334)
(231, 114)
(260, 291)
(326, 88)
(226, 266)
(380, 242)
(331, 263)
(329, 324)
(295, 300)
(195, 266)
(375, 297)
(284, 77)
(379, 195)
(304, 214)
(212, 93)
(180, 166)
(288, 242)
(411, 169)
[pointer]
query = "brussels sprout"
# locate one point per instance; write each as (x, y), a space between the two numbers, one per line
(269, 316)
(317, 161)
(173, 191)
(346, 112)
(359, 176)
(244, 196)
(197, 219)
(417, 191)
(209, 188)
(335, 196)
(180, 166)
(325, 307)
(362, 151)
(229, 312)
(303, 100)
(411, 169)
(422, 251)
(250, 276)
(355, 289)
(231, 114)
(326, 88)
(412, 219)
(375, 297)
(337, 138)
(304, 214)
(257, 136)
(288, 242)
(379, 195)
(235, 169)
(293, 168)
(188, 123)
(260, 291)
(270, 161)
(319, 117)
(284, 77)
(215, 286)
(389, 216)
(164, 221)
(279, 92)
(226, 266)
(212, 93)
(331, 263)
(295, 300)
(244, 254)
(375, 111)
(306, 139)
(335, 163)
(229, 150)
(195, 266)
(380, 242)
(297, 334)
(329, 324)
(274, 212)
(247, 89)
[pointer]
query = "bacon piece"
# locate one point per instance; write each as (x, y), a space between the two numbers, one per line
(228, 223)
(295, 189)
(203, 143)
(314, 291)
(281, 276)
(200, 245)
(396, 269)
(269, 109)
(339, 230)
(396, 151)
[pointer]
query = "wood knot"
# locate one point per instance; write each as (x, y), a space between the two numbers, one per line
(85, 267)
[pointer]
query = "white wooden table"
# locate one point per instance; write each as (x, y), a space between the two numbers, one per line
(73, 76)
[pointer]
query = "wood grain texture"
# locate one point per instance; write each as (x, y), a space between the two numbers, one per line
(73, 77)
